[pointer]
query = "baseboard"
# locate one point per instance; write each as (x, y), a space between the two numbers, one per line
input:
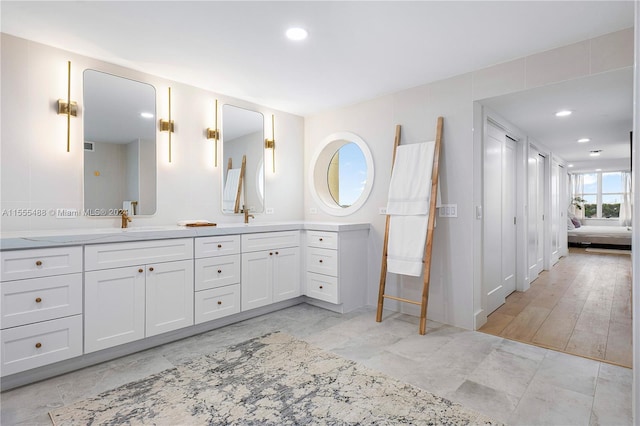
(479, 319)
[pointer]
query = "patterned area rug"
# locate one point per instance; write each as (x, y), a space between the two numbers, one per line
(273, 380)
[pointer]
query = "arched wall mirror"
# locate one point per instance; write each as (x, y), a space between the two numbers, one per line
(341, 174)
(242, 160)
(119, 145)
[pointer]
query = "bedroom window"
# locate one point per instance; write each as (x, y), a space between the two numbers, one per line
(603, 193)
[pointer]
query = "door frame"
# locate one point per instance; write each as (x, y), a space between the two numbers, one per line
(522, 282)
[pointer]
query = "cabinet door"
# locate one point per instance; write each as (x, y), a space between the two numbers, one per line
(286, 274)
(257, 272)
(114, 307)
(169, 302)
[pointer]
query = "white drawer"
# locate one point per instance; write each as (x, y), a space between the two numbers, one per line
(40, 299)
(322, 287)
(35, 345)
(106, 256)
(217, 303)
(218, 271)
(21, 264)
(322, 261)
(321, 239)
(270, 240)
(217, 246)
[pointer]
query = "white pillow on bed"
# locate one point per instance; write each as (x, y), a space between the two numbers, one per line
(570, 224)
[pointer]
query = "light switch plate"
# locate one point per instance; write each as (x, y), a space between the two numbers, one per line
(448, 210)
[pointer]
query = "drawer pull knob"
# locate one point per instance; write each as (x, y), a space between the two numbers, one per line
(38, 300)
(320, 239)
(320, 261)
(219, 245)
(141, 270)
(270, 254)
(219, 271)
(151, 269)
(277, 253)
(219, 302)
(38, 262)
(320, 287)
(38, 345)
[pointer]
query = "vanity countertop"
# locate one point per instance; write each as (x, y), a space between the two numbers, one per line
(65, 237)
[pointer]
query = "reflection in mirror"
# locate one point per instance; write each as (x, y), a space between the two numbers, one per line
(347, 174)
(119, 145)
(243, 153)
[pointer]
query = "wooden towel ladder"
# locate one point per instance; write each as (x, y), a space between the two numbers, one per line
(428, 244)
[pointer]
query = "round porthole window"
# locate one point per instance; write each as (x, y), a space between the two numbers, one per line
(341, 174)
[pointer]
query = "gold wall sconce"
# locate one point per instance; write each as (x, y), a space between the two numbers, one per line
(167, 125)
(68, 107)
(215, 135)
(271, 143)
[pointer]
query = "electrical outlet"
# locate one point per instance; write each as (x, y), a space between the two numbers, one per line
(269, 210)
(313, 210)
(382, 210)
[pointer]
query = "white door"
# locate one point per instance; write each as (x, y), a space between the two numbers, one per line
(113, 307)
(257, 279)
(499, 204)
(169, 302)
(509, 216)
(535, 226)
(542, 161)
(555, 212)
(286, 274)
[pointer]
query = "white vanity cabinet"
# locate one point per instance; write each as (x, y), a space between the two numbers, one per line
(41, 307)
(336, 268)
(270, 268)
(217, 277)
(137, 289)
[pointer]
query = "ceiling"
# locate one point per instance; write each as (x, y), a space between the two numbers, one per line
(355, 50)
(602, 108)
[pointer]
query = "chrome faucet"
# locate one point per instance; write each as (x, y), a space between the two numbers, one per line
(247, 215)
(125, 218)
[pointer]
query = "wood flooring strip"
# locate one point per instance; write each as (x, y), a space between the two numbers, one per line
(581, 307)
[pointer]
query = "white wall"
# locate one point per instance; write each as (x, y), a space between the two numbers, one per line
(455, 275)
(38, 173)
(636, 220)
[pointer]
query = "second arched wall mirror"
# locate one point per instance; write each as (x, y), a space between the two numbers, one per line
(242, 140)
(341, 173)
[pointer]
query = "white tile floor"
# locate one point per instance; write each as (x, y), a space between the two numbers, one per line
(512, 382)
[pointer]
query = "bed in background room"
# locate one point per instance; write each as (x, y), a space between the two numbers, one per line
(600, 236)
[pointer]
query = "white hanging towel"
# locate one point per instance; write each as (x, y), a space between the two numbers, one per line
(405, 246)
(408, 206)
(410, 187)
(230, 190)
(126, 206)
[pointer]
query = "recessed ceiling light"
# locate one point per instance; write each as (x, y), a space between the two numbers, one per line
(595, 152)
(146, 115)
(570, 165)
(297, 34)
(583, 140)
(563, 113)
(598, 170)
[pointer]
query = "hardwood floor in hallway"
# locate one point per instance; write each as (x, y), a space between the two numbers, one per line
(582, 306)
